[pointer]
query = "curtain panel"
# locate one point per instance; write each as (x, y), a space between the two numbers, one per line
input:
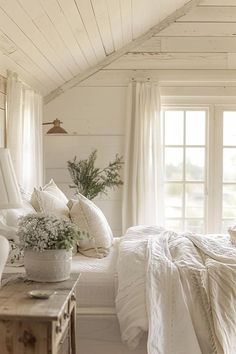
(24, 132)
(143, 175)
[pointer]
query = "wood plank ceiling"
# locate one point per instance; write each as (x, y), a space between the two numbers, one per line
(55, 43)
(49, 42)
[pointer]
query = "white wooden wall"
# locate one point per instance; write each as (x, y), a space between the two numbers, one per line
(194, 57)
(94, 118)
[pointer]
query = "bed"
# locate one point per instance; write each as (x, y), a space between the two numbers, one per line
(99, 330)
(181, 288)
(178, 288)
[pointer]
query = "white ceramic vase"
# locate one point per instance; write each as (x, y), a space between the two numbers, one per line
(4, 251)
(48, 266)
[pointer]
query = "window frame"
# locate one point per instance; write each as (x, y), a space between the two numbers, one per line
(214, 152)
(219, 149)
(183, 182)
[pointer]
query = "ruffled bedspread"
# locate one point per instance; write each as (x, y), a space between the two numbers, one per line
(179, 287)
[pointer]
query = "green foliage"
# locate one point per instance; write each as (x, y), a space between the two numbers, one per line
(90, 180)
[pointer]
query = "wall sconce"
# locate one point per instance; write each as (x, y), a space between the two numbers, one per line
(56, 129)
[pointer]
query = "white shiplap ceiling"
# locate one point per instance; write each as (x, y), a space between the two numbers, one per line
(53, 43)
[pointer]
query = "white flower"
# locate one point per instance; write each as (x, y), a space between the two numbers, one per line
(41, 232)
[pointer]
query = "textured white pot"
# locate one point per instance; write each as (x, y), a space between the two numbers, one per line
(48, 266)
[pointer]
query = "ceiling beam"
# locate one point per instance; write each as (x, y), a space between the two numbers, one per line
(127, 48)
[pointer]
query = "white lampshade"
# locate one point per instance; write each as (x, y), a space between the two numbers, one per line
(10, 196)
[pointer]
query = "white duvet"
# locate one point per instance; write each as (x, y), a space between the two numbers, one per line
(181, 288)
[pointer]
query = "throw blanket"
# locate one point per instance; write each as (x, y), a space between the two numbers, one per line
(179, 287)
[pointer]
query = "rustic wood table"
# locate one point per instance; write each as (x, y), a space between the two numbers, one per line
(38, 326)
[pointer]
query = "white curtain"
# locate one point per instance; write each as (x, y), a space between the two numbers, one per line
(24, 132)
(143, 177)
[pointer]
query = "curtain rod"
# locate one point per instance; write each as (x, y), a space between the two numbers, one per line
(142, 78)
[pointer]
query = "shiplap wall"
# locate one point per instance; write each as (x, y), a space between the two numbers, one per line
(193, 57)
(94, 116)
(95, 119)
(2, 108)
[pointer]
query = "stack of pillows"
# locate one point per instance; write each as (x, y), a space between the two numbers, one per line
(82, 211)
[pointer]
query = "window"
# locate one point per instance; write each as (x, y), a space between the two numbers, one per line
(185, 147)
(229, 169)
(199, 154)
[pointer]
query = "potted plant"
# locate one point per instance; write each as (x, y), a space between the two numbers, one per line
(90, 180)
(47, 242)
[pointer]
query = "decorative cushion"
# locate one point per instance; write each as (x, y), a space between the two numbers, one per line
(9, 219)
(52, 189)
(7, 231)
(12, 215)
(47, 203)
(90, 218)
(25, 195)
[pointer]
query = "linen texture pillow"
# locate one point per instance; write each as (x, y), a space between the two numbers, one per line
(52, 189)
(9, 219)
(90, 218)
(7, 231)
(25, 195)
(47, 203)
(12, 216)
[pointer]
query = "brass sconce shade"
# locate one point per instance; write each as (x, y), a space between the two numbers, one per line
(56, 129)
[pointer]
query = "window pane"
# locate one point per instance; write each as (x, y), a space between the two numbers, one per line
(229, 201)
(195, 162)
(229, 128)
(174, 122)
(195, 127)
(174, 224)
(194, 203)
(229, 169)
(194, 225)
(173, 200)
(174, 164)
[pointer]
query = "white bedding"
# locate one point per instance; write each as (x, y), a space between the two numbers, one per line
(97, 284)
(181, 288)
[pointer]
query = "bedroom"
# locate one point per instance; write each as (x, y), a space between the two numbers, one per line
(82, 56)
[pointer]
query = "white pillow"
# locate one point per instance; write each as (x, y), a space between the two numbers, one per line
(25, 195)
(52, 189)
(90, 218)
(47, 203)
(9, 219)
(9, 232)
(12, 215)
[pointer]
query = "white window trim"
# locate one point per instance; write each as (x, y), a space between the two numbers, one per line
(214, 150)
(219, 153)
(192, 107)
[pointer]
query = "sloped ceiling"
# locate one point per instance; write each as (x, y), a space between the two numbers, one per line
(54, 44)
